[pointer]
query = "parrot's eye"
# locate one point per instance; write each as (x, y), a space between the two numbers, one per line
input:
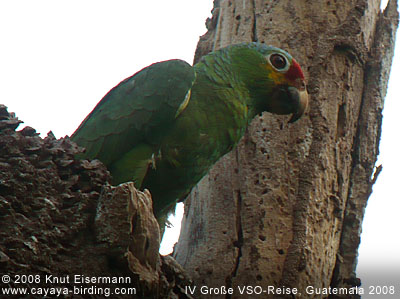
(278, 61)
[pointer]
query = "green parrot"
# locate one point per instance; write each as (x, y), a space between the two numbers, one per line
(165, 126)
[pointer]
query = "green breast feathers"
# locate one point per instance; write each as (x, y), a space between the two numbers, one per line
(165, 126)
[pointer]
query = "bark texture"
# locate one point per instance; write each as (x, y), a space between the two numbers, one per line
(285, 208)
(59, 217)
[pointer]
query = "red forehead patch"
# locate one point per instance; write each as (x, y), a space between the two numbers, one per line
(294, 72)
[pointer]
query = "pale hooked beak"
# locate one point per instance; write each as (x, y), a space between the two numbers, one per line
(302, 100)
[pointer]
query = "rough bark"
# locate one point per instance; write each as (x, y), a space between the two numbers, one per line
(60, 218)
(285, 208)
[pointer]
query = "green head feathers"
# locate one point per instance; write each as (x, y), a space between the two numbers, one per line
(272, 76)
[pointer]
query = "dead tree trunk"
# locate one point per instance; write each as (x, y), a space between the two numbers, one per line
(285, 208)
(60, 219)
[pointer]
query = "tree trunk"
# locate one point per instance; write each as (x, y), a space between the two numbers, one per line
(59, 218)
(285, 208)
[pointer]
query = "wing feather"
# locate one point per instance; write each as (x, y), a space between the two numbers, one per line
(137, 111)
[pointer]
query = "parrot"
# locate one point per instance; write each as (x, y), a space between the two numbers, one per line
(165, 126)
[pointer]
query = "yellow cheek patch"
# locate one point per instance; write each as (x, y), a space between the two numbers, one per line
(276, 77)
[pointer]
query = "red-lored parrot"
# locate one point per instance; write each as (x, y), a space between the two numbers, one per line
(165, 126)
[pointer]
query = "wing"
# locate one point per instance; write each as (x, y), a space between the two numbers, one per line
(126, 126)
